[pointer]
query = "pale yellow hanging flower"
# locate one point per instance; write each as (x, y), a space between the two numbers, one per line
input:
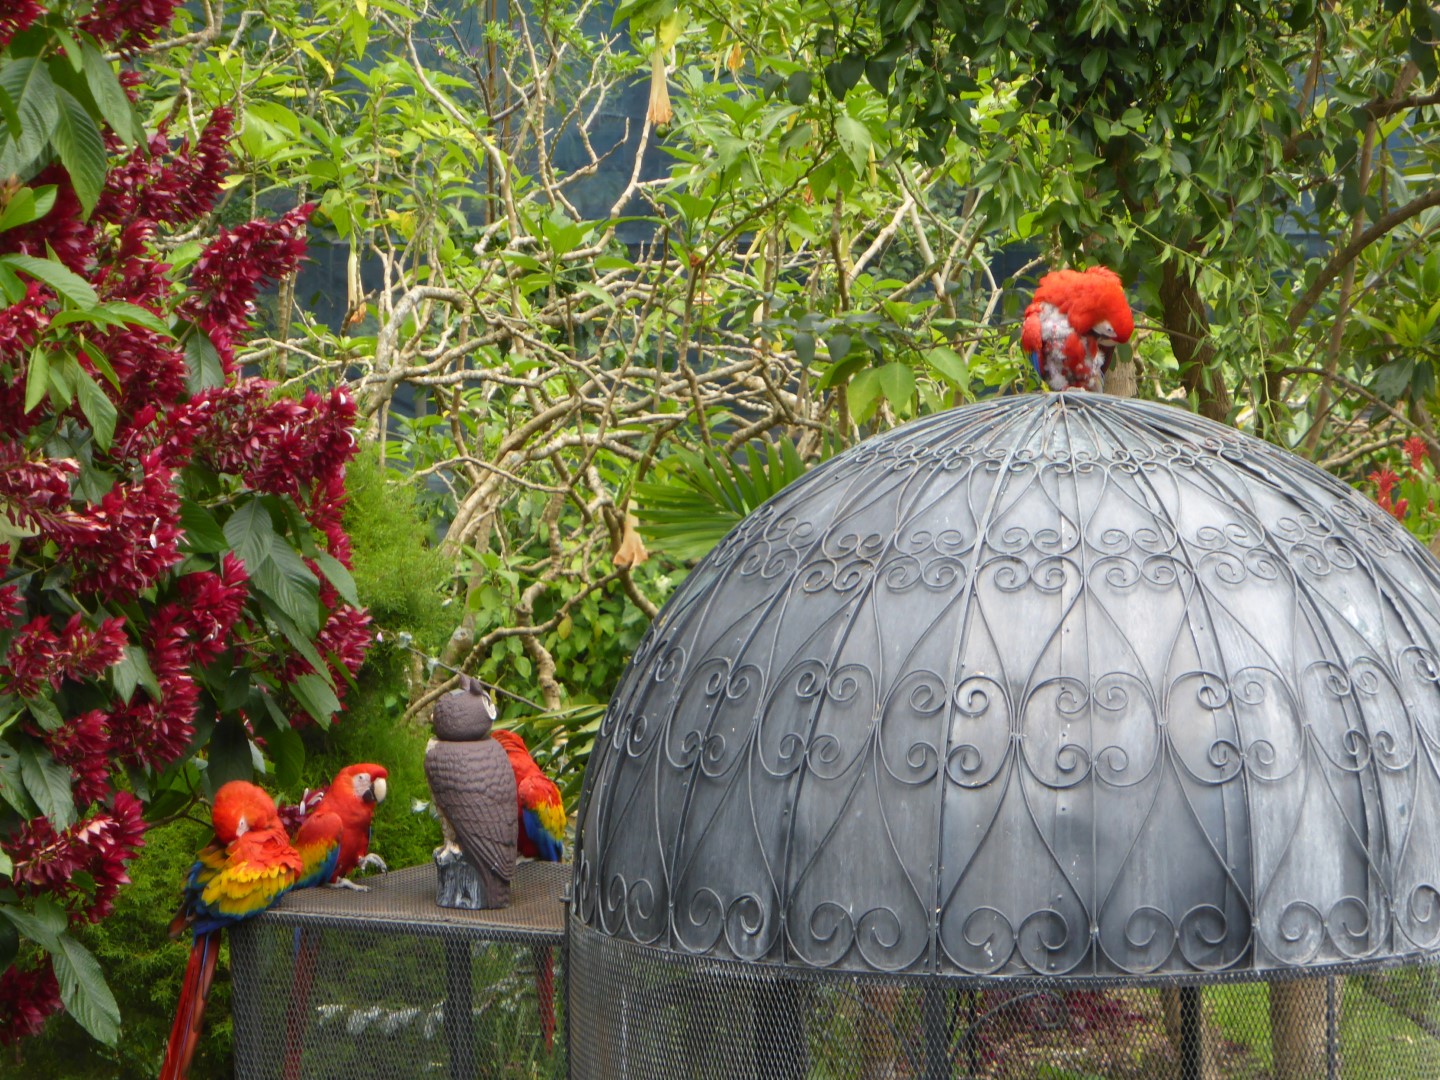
(736, 60)
(666, 34)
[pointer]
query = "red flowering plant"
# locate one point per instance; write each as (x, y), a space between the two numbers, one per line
(174, 591)
(1410, 495)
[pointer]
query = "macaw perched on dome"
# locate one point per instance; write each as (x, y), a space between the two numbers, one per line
(247, 867)
(1073, 324)
(541, 836)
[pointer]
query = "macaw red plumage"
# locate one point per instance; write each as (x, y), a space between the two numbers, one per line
(1073, 324)
(247, 867)
(332, 840)
(541, 836)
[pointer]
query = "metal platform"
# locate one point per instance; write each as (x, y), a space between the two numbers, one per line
(339, 983)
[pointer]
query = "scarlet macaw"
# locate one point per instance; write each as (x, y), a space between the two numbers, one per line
(333, 840)
(245, 869)
(1073, 324)
(541, 836)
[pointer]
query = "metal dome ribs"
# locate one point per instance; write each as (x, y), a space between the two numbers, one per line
(1056, 685)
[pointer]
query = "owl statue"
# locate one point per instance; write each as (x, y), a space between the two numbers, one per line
(474, 790)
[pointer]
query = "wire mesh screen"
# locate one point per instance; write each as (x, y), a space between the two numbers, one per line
(640, 1013)
(337, 984)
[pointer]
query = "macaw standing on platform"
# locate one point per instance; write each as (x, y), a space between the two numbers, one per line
(247, 867)
(542, 836)
(333, 840)
(1073, 325)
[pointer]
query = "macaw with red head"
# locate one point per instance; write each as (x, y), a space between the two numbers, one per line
(541, 836)
(1073, 325)
(334, 838)
(248, 866)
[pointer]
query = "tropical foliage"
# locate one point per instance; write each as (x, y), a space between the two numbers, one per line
(600, 279)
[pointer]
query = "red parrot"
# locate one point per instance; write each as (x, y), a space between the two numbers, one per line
(541, 836)
(1073, 324)
(245, 869)
(332, 839)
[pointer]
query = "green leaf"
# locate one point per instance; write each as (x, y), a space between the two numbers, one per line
(946, 362)
(43, 926)
(83, 990)
(12, 785)
(302, 643)
(797, 88)
(134, 670)
(897, 382)
(855, 140)
(43, 709)
(27, 83)
(81, 147)
(109, 96)
(864, 393)
(286, 580)
(98, 409)
(228, 757)
(37, 378)
(202, 532)
(338, 574)
(287, 751)
(251, 534)
(317, 698)
(202, 361)
(55, 274)
(48, 783)
(27, 205)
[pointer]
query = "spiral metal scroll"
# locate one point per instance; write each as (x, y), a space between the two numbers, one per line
(1059, 685)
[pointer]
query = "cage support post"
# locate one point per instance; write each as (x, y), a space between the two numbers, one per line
(937, 1042)
(1192, 1052)
(459, 1028)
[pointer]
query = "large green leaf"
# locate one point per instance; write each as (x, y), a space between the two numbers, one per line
(55, 274)
(26, 82)
(12, 784)
(81, 147)
(109, 96)
(251, 534)
(83, 990)
(228, 756)
(317, 698)
(48, 783)
(699, 496)
(98, 409)
(285, 579)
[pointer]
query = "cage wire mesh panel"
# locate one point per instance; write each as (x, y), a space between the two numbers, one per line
(686, 1018)
(339, 984)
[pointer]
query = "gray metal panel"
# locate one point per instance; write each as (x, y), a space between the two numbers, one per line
(1058, 684)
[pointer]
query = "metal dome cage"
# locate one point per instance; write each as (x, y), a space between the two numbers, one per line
(1058, 735)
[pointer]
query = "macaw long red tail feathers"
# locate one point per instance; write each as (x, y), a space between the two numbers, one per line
(307, 951)
(545, 992)
(190, 1013)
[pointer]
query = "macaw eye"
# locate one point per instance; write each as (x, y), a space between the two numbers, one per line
(242, 827)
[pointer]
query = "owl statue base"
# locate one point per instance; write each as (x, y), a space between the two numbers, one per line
(460, 884)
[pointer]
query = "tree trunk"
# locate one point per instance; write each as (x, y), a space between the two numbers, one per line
(1172, 1006)
(1188, 327)
(1297, 1028)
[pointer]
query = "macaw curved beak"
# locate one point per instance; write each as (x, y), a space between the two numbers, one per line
(376, 794)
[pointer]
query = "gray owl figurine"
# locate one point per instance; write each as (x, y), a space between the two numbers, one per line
(474, 789)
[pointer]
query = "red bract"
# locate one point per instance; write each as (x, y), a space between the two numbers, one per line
(175, 185)
(33, 659)
(132, 537)
(1384, 481)
(229, 273)
(213, 603)
(129, 24)
(28, 995)
(83, 745)
(1416, 451)
(47, 862)
(19, 16)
